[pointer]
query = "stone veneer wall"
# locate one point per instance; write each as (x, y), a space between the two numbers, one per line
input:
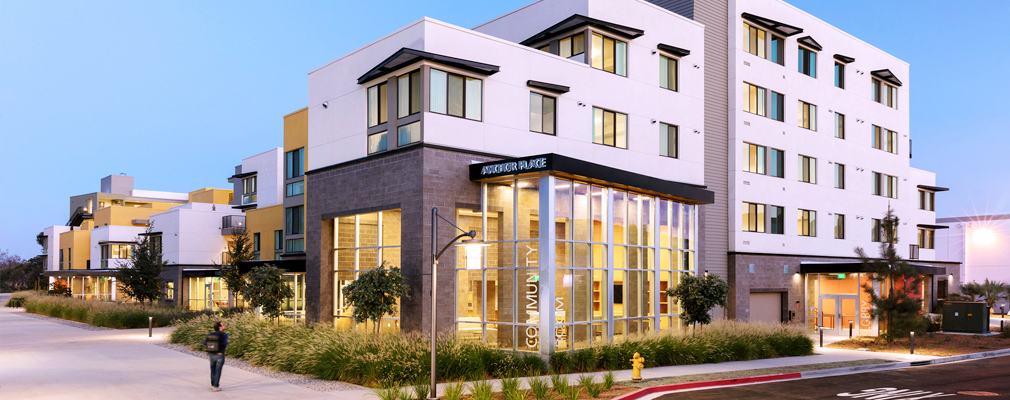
(413, 180)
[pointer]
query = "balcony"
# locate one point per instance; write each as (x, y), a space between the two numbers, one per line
(232, 224)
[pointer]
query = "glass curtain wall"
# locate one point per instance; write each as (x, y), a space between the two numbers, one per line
(207, 293)
(293, 308)
(609, 254)
(362, 243)
(91, 287)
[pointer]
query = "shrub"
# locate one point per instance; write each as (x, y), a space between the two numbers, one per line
(104, 314)
(608, 380)
(482, 390)
(720, 342)
(453, 391)
(560, 384)
(539, 387)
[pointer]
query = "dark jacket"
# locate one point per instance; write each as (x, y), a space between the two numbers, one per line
(222, 339)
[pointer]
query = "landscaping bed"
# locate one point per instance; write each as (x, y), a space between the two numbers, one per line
(930, 344)
(99, 313)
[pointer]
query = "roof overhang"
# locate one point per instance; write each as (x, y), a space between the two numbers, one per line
(66, 273)
(550, 87)
(577, 21)
(844, 59)
(858, 267)
(406, 56)
(245, 207)
(933, 188)
(287, 265)
(677, 51)
(200, 273)
(577, 169)
(774, 26)
(887, 76)
(243, 175)
(810, 42)
(930, 226)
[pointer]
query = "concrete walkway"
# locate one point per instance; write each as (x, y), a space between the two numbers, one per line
(42, 359)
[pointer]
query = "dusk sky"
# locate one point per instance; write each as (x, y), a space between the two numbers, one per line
(176, 93)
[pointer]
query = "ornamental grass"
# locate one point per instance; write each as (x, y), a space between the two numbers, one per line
(355, 357)
(718, 342)
(99, 313)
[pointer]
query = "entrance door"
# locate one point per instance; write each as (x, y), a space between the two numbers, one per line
(208, 296)
(837, 312)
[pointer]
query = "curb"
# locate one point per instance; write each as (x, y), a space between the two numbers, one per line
(810, 374)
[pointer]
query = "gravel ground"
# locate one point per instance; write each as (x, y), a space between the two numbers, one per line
(67, 322)
(295, 379)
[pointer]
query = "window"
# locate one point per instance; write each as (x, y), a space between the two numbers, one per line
(668, 72)
(885, 139)
(884, 93)
(756, 161)
(361, 243)
(278, 240)
(763, 44)
(455, 95)
(875, 234)
(668, 140)
(294, 220)
(755, 98)
(808, 169)
(256, 242)
(572, 46)
(778, 220)
(295, 163)
(408, 94)
(295, 245)
(115, 252)
(407, 134)
(839, 75)
(839, 226)
(807, 222)
(377, 142)
(61, 258)
(295, 188)
(249, 190)
(610, 55)
(542, 113)
(926, 199)
(807, 62)
(753, 217)
(808, 116)
(885, 185)
(925, 238)
(610, 128)
(377, 105)
(839, 176)
(840, 126)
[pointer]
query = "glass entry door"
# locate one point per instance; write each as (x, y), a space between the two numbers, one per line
(208, 296)
(837, 312)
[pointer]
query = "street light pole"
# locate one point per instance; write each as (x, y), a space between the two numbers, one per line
(434, 284)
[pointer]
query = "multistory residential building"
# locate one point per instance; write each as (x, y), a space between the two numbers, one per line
(567, 134)
(807, 145)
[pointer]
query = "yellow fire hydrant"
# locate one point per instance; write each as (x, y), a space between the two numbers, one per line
(637, 363)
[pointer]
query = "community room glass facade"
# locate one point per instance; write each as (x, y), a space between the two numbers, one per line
(596, 259)
(363, 242)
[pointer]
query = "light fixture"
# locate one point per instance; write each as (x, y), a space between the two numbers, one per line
(653, 51)
(472, 252)
(654, 120)
(326, 104)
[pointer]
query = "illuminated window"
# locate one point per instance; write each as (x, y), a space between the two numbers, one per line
(807, 223)
(610, 128)
(610, 55)
(361, 243)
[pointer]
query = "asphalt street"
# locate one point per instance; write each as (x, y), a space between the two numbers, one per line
(960, 380)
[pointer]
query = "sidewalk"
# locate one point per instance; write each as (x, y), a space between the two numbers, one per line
(41, 359)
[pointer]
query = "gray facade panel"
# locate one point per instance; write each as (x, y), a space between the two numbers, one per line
(682, 7)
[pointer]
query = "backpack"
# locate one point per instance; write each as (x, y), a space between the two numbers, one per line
(213, 343)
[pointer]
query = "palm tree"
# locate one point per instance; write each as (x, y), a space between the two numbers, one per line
(990, 291)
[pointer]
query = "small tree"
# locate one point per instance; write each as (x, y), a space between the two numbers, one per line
(267, 289)
(141, 279)
(698, 295)
(239, 250)
(375, 293)
(990, 291)
(60, 288)
(897, 308)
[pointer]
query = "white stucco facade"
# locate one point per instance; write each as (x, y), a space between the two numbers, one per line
(52, 246)
(191, 233)
(268, 167)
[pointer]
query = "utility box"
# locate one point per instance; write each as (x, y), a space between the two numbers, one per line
(960, 316)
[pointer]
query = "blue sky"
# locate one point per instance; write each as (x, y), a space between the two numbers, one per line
(176, 93)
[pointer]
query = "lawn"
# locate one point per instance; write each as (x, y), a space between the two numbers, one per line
(930, 344)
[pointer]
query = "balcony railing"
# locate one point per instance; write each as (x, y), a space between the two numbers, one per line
(232, 224)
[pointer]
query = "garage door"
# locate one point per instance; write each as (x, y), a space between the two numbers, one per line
(766, 307)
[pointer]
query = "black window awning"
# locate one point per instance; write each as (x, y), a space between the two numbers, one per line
(844, 59)
(887, 76)
(774, 26)
(857, 267)
(243, 175)
(677, 51)
(933, 188)
(578, 21)
(931, 226)
(594, 173)
(550, 87)
(406, 56)
(810, 42)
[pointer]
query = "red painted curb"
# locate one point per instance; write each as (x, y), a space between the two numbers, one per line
(692, 385)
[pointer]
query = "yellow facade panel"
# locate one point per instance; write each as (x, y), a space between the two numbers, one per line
(265, 221)
(76, 248)
(213, 196)
(296, 129)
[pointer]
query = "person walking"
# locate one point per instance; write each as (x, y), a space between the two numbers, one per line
(215, 343)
